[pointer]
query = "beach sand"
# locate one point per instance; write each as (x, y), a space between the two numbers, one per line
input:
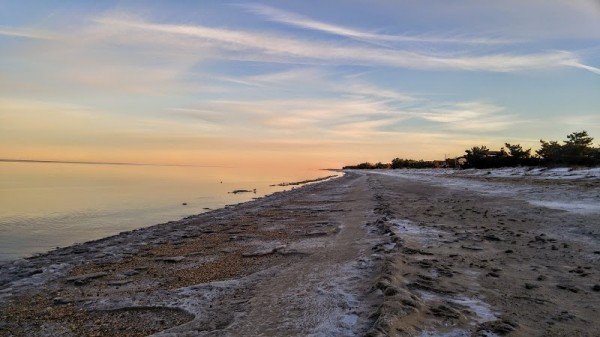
(365, 254)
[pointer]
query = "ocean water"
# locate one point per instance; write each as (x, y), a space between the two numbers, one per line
(49, 205)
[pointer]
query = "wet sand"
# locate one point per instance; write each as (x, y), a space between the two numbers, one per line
(364, 254)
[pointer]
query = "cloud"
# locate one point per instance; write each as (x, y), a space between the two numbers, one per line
(296, 20)
(584, 121)
(317, 80)
(460, 111)
(26, 33)
(265, 47)
(583, 66)
(295, 75)
(469, 117)
(301, 117)
(350, 118)
(207, 116)
(370, 91)
(95, 57)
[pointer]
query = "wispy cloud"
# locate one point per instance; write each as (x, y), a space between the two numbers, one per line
(297, 20)
(276, 48)
(469, 116)
(320, 80)
(298, 116)
(26, 33)
(369, 91)
(295, 75)
(207, 116)
(575, 64)
(350, 119)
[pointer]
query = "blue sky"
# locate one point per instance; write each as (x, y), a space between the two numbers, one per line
(292, 82)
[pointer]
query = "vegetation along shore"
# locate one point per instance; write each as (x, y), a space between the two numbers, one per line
(576, 150)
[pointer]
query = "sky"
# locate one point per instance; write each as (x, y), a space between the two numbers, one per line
(293, 83)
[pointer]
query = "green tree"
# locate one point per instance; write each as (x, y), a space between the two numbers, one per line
(517, 155)
(516, 151)
(398, 163)
(578, 149)
(550, 152)
(477, 157)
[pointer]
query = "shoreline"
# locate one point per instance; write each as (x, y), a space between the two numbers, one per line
(183, 220)
(362, 254)
(30, 234)
(76, 267)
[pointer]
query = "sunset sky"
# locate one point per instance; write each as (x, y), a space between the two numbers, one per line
(316, 84)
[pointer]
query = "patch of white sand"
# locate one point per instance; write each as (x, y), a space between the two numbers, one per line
(481, 311)
(427, 236)
(339, 295)
(569, 206)
(562, 197)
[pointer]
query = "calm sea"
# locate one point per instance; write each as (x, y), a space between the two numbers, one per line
(49, 205)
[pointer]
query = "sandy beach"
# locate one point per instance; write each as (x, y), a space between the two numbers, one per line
(368, 254)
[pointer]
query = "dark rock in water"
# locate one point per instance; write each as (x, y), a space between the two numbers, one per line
(242, 191)
(596, 287)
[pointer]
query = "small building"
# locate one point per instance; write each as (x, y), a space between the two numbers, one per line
(494, 154)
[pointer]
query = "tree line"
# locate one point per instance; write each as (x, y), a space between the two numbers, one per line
(576, 150)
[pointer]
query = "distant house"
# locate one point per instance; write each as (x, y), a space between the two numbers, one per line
(457, 162)
(494, 154)
(439, 164)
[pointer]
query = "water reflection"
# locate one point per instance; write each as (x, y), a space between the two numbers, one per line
(44, 205)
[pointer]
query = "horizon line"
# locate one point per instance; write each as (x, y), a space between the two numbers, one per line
(39, 161)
